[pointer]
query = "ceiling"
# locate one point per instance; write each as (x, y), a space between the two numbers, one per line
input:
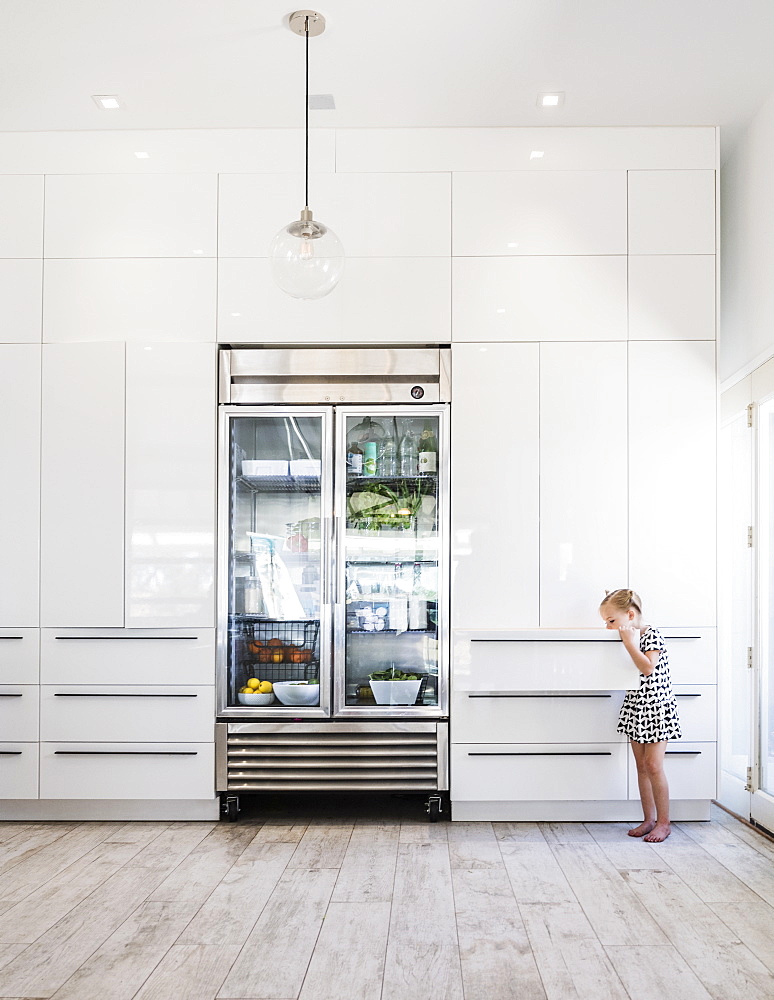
(407, 63)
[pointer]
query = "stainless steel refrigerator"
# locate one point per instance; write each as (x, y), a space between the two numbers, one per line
(333, 635)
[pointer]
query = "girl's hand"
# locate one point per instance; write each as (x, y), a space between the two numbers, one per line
(629, 635)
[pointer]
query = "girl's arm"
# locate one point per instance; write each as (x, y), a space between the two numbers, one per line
(644, 662)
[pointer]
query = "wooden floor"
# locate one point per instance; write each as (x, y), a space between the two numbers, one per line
(343, 901)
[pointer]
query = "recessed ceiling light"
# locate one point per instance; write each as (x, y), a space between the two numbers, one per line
(536, 154)
(142, 156)
(108, 102)
(552, 100)
(321, 102)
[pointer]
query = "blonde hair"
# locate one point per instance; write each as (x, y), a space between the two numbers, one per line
(623, 600)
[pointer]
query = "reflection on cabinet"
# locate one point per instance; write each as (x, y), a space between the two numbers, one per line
(82, 503)
(20, 494)
(495, 483)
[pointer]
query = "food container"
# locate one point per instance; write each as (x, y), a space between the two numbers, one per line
(255, 699)
(297, 692)
(395, 692)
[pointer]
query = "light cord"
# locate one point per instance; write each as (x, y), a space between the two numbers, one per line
(306, 179)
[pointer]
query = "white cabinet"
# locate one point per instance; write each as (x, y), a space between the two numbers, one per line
(671, 297)
(496, 772)
(18, 770)
(21, 291)
(121, 712)
(672, 442)
(495, 483)
(690, 769)
(127, 770)
(171, 409)
(19, 655)
(498, 214)
(583, 480)
(82, 504)
(697, 710)
(672, 211)
(19, 712)
(20, 493)
(21, 215)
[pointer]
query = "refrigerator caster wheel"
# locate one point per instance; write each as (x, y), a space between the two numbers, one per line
(229, 808)
(434, 808)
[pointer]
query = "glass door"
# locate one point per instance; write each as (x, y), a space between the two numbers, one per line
(274, 619)
(762, 806)
(391, 584)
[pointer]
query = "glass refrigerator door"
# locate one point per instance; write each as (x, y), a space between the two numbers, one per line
(274, 630)
(391, 575)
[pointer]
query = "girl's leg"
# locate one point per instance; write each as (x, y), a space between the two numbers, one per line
(646, 792)
(653, 765)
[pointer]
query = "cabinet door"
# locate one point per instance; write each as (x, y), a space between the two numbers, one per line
(20, 495)
(171, 413)
(82, 505)
(495, 484)
(672, 433)
(583, 477)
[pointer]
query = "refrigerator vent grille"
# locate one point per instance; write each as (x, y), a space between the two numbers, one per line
(332, 761)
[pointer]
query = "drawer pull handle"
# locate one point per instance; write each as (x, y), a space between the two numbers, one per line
(3, 637)
(77, 694)
(697, 695)
(3, 695)
(10, 753)
(126, 753)
(540, 753)
(540, 696)
(683, 753)
(669, 638)
(128, 638)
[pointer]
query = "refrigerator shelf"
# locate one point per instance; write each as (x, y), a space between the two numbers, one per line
(280, 484)
(358, 481)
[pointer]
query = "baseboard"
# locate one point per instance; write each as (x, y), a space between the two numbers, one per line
(109, 809)
(573, 812)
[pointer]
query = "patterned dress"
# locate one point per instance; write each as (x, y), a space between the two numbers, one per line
(649, 714)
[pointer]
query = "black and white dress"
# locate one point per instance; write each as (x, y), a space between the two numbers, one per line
(649, 714)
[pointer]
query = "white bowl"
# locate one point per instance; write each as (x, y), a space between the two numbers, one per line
(297, 693)
(255, 699)
(395, 692)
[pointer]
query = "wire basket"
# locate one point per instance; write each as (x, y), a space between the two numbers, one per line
(280, 651)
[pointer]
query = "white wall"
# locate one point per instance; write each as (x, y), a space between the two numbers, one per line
(747, 227)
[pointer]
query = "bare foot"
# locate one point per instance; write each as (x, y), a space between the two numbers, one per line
(645, 827)
(659, 832)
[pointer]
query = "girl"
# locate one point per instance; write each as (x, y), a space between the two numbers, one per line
(649, 714)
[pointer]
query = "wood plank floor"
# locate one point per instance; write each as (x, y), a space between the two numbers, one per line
(350, 900)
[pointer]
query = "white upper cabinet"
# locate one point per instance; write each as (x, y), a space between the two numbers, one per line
(20, 494)
(672, 211)
(137, 300)
(495, 484)
(387, 299)
(21, 215)
(583, 480)
(374, 215)
(554, 212)
(171, 408)
(130, 215)
(82, 502)
(672, 297)
(538, 298)
(21, 297)
(672, 442)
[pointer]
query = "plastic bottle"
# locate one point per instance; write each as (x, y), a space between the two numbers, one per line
(388, 458)
(409, 454)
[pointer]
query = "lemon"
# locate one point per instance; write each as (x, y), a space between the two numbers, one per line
(253, 683)
(265, 687)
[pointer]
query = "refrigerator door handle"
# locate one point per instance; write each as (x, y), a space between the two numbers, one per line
(336, 549)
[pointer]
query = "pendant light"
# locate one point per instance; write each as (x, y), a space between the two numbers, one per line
(307, 258)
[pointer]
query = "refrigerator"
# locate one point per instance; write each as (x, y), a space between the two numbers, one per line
(333, 590)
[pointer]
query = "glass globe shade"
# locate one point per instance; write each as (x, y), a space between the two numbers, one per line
(306, 268)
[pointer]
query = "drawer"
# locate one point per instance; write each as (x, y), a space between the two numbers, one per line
(570, 660)
(19, 655)
(127, 771)
(131, 655)
(18, 770)
(486, 772)
(19, 712)
(559, 717)
(135, 714)
(690, 769)
(697, 708)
